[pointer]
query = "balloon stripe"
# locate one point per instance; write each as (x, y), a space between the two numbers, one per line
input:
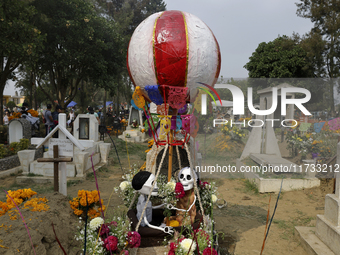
(170, 49)
(187, 60)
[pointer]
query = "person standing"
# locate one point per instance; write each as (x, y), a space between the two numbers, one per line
(49, 120)
(6, 120)
(91, 111)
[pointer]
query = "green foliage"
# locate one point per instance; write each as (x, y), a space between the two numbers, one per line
(281, 58)
(11, 105)
(13, 148)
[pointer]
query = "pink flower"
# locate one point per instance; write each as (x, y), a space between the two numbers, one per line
(133, 239)
(111, 243)
(113, 223)
(179, 190)
(125, 252)
(209, 251)
(202, 233)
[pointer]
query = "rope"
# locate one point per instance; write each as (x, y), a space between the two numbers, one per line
(153, 185)
(195, 185)
(135, 196)
(179, 162)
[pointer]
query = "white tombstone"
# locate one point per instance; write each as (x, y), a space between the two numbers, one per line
(328, 225)
(19, 129)
(86, 127)
(135, 115)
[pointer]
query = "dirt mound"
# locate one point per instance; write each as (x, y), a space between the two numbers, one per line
(14, 238)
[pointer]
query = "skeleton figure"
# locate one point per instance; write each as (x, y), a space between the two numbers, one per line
(142, 182)
(186, 208)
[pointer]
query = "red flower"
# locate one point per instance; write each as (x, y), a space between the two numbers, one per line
(209, 251)
(111, 243)
(125, 252)
(173, 247)
(179, 190)
(134, 239)
(104, 230)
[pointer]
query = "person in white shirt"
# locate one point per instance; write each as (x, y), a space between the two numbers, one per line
(6, 120)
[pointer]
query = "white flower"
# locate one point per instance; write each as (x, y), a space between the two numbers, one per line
(171, 186)
(123, 185)
(214, 198)
(186, 244)
(96, 222)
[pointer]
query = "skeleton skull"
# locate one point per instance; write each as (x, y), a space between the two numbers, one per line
(186, 178)
(148, 185)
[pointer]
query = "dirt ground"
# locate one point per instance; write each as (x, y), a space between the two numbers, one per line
(242, 222)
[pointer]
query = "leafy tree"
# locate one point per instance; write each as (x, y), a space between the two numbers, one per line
(19, 41)
(80, 45)
(325, 14)
(11, 105)
(281, 58)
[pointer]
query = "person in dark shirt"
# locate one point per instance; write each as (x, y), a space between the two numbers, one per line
(55, 115)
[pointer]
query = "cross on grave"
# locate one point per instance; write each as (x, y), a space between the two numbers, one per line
(59, 168)
(56, 160)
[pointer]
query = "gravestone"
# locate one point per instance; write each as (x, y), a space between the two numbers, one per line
(19, 129)
(135, 115)
(86, 127)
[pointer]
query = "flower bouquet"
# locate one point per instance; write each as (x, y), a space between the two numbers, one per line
(87, 200)
(113, 237)
(134, 124)
(125, 190)
(197, 242)
(208, 195)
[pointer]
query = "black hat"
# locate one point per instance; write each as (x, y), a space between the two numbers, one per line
(58, 107)
(90, 109)
(140, 179)
(49, 106)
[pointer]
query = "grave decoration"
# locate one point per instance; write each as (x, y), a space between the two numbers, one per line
(170, 56)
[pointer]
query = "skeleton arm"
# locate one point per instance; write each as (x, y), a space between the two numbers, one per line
(158, 206)
(167, 230)
(171, 207)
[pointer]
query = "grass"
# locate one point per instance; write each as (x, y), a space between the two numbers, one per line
(250, 187)
(288, 226)
(33, 174)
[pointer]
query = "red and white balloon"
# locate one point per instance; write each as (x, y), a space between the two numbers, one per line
(173, 48)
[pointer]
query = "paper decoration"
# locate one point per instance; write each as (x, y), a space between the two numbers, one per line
(138, 97)
(154, 94)
(161, 109)
(334, 124)
(304, 126)
(183, 109)
(135, 106)
(318, 126)
(177, 97)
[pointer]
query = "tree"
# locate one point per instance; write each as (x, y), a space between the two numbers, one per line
(20, 40)
(325, 14)
(281, 58)
(80, 45)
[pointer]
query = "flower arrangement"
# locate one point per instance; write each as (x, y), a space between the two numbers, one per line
(127, 135)
(112, 237)
(134, 123)
(208, 195)
(15, 115)
(89, 199)
(197, 242)
(33, 113)
(21, 195)
(233, 132)
(125, 190)
(166, 191)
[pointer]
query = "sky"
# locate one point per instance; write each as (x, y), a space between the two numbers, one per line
(241, 25)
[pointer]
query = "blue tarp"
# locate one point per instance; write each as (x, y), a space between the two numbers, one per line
(108, 103)
(71, 104)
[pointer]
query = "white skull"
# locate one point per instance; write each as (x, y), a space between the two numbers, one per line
(145, 190)
(186, 178)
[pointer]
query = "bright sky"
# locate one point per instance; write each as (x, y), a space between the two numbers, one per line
(240, 25)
